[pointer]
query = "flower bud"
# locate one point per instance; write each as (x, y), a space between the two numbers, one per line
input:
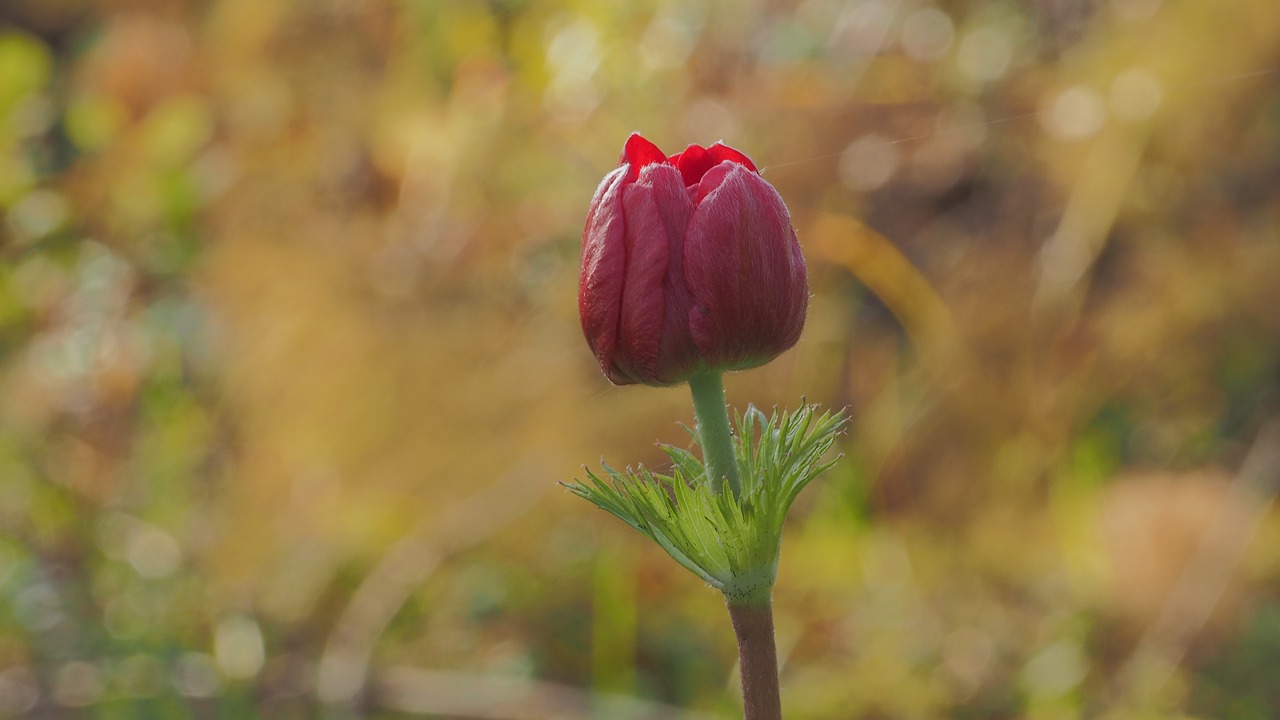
(689, 263)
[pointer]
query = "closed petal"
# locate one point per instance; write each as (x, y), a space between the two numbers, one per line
(654, 346)
(744, 270)
(603, 264)
(678, 357)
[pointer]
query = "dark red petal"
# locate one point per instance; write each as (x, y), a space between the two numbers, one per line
(678, 357)
(654, 346)
(722, 152)
(639, 152)
(643, 300)
(693, 163)
(712, 181)
(603, 263)
(744, 270)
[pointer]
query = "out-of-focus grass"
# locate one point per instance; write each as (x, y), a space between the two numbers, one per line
(290, 360)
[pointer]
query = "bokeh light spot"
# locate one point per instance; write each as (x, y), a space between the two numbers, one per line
(985, 53)
(40, 213)
(1076, 113)
(78, 684)
(238, 647)
(1136, 94)
(868, 162)
(573, 54)
(861, 29)
(19, 690)
(1055, 670)
(152, 552)
(927, 34)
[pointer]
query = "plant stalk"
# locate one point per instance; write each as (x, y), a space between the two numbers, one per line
(757, 660)
(713, 430)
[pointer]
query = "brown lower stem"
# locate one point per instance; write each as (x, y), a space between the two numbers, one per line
(758, 660)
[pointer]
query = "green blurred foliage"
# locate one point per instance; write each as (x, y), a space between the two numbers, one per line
(291, 365)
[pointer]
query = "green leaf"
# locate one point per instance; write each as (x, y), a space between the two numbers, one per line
(731, 543)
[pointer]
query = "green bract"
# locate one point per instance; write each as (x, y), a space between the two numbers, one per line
(730, 542)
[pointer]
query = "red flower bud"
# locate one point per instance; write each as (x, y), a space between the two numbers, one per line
(689, 262)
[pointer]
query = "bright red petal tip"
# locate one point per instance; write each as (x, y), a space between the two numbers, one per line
(639, 152)
(693, 163)
(722, 152)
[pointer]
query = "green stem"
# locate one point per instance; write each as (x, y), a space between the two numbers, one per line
(713, 430)
(757, 660)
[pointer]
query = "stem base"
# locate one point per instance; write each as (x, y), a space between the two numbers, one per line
(758, 660)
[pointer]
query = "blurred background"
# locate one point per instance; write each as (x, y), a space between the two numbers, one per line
(290, 362)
